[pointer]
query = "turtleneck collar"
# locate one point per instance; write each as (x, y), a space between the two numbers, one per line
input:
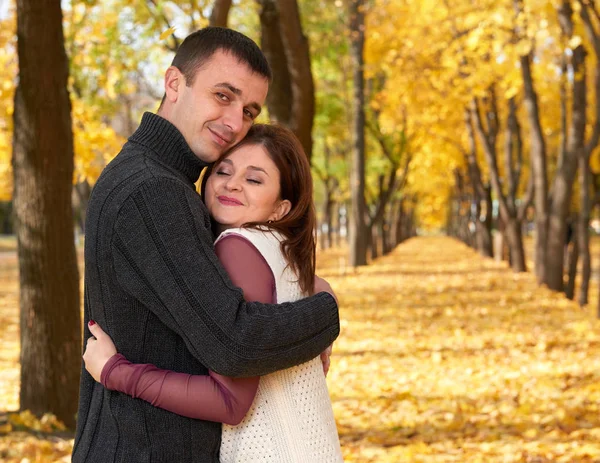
(164, 140)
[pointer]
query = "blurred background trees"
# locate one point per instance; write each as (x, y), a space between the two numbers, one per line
(477, 119)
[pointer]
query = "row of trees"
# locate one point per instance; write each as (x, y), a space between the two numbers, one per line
(509, 93)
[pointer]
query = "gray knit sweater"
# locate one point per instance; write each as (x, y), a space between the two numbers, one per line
(153, 282)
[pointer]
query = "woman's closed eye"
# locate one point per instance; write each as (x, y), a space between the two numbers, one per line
(222, 172)
(255, 181)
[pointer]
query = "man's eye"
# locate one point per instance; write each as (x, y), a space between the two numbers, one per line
(249, 114)
(222, 97)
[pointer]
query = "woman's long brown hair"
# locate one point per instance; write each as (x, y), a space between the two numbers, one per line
(298, 225)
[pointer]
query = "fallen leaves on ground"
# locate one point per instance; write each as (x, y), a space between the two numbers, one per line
(443, 357)
(448, 357)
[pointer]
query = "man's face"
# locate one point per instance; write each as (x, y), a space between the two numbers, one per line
(217, 110)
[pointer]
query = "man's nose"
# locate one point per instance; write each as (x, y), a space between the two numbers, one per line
(234, 119)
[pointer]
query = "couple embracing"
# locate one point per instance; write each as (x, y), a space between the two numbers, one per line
(204, 350)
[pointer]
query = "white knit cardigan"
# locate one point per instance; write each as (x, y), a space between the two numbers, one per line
(291, 419)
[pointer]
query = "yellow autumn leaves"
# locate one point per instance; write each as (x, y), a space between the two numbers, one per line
(447, 357)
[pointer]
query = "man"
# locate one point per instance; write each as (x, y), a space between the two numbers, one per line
(152, 279)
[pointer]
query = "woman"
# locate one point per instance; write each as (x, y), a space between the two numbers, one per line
(260, 197)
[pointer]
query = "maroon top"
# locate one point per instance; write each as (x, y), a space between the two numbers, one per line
(213, 397)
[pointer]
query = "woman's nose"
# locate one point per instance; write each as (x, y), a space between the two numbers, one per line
(232, 184)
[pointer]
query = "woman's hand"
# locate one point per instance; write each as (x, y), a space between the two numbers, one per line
(98, 350)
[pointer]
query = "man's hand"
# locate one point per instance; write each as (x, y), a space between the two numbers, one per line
(322, 286)
(99, 349)
(326, 359)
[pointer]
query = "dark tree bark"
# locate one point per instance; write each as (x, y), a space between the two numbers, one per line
(510, 214)
(585, 154)
(219, 13)
(397, 151)
(583, 233)
(460, 216)
(572, 251)
(43, 176)
(562, 187)
(81, 197)
(358, 232)
(291, 98)
(298, 61)
(538, 164)
(482, 195)
(330, 184)
(278, 98)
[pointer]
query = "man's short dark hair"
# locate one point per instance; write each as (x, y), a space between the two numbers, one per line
(200, 46)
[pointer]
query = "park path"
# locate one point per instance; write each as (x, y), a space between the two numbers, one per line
(443, 357)
(448, 357)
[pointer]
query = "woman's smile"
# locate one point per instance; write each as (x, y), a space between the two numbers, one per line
(228, 201)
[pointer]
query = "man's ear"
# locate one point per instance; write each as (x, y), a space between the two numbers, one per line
(282, 209)
(174, 79)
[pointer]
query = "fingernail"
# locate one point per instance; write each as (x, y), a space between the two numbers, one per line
(91, 322)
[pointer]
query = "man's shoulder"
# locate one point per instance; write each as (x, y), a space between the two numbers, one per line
(133, 168)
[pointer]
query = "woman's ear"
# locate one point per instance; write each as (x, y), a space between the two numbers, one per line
(281, 210)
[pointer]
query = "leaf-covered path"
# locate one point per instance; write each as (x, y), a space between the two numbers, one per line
(443, 357)
(448, 357)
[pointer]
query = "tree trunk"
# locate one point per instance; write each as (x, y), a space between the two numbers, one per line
(374, 242)
(484, 227)
(291, 98)
(565, 176)
(219, 13)
(538, 167)
(43, 176)
(358, 232)
(6, 218)
(481, 193)
(583, 228)
(326, 228)
(298, 62)
(572, 260)
(329, 219)
(514, 237)
(81, 197)
(280, 89)
(384, 231)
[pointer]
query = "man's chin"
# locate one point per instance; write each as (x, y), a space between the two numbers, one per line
(208, 155)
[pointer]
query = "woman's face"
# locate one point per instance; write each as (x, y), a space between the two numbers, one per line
(243, 188)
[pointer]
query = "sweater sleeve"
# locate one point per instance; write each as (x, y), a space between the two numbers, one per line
(164, 257)
(213, 397)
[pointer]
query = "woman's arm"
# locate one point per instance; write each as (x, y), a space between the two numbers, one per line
(213, 397)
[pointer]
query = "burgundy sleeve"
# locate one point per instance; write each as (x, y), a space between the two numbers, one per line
(213, 397)
(247, 268)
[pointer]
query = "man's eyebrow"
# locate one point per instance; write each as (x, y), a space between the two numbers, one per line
(229, 87)
(238, 92)
(256, 107)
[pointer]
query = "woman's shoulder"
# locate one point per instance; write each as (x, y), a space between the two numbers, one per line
(255, 236)
(266, 242)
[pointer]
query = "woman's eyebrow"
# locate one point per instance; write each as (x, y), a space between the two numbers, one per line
(259, 169)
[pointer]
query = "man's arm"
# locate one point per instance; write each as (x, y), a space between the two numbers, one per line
(163, 256)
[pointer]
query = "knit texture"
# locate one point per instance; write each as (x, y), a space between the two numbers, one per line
(154, 283)
(291, 419)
